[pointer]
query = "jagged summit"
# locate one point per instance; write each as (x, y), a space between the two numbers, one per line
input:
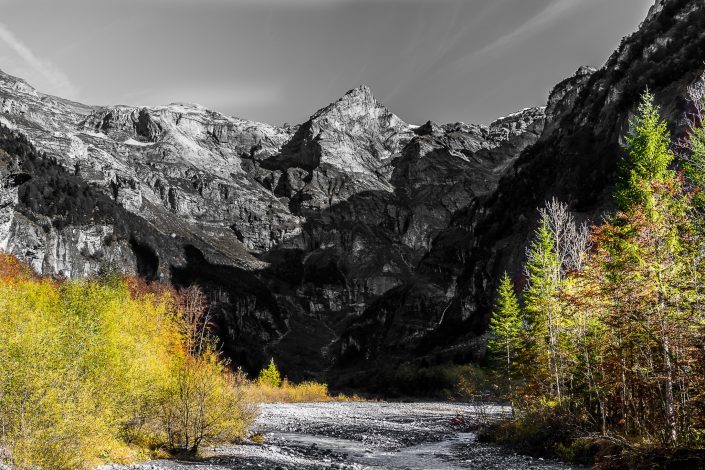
(361, 92)
(354, 103)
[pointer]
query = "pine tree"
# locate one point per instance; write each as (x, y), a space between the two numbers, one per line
(649, 252)
(270, 375)
(541, 305)
(694, 145)
(648, 155)
(506, 327)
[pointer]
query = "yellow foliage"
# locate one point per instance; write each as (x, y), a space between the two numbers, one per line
(87, 368)
(261, 392)
(204, 403)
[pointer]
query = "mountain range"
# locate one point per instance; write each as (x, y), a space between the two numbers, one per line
(341, 246)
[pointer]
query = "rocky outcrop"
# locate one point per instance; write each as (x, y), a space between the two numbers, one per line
(344, 149)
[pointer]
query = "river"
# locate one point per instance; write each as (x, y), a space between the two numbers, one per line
(365, 435)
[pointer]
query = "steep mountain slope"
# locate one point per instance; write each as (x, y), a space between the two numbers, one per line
(293, 231)
(575, 160)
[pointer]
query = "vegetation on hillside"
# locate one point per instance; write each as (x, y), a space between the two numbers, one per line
(607, 352)
(109, 369)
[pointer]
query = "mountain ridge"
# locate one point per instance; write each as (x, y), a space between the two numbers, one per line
(333, 196)
(339, 246)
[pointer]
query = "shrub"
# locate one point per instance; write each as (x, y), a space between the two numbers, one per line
(270, 388)
(204, 403)
(290, 393)
(87, 369)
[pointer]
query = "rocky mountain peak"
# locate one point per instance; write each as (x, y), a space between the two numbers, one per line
(655, 9)
(358, 103)
(360, 93)
(8, 81)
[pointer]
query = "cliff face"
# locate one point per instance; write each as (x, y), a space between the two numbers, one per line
(346, 242)
(292, 231)
(576, 158)
(443, 311)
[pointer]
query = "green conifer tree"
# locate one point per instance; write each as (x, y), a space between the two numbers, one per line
(270, 375)
(541, 306)
(694, 167)
(506, 326)
(648, 155)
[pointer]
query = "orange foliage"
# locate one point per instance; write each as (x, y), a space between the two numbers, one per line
(138, 288)
(12, 269)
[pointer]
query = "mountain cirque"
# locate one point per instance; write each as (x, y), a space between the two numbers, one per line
(346, 242)
(303, 225)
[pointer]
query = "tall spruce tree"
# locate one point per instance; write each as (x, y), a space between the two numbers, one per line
(694, 144)
(506, 327)
(542, 307)
(649, 260)
(648, 155)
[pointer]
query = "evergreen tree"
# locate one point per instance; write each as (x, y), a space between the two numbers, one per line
(506, 327)
(542, 307)
(270, 375)
(648, 155)
(694, 144)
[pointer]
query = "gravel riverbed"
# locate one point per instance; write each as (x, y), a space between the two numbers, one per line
(364, 435)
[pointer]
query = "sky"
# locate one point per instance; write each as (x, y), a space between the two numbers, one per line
(279, 61)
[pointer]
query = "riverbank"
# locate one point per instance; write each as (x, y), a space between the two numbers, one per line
(365, 435)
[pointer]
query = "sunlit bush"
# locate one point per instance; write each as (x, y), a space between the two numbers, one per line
(271, 388)
(288, 392)
(87, 370)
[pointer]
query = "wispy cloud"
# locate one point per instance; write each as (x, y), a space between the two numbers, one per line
(49, 77)
(293, 4)
(551, 13)
(459, 51)
(260, 3)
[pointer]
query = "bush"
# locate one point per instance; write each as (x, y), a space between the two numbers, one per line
(549, 431)
(87, 369)
(204, 403)
(270, 388)
(290, 393)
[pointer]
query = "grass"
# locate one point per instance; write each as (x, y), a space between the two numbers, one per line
(286, 392)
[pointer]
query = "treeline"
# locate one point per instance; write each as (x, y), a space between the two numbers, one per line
(108, 370)
(606, 343)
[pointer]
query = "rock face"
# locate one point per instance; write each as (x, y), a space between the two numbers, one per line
(292, 231)
(335, 246)
(575, 159)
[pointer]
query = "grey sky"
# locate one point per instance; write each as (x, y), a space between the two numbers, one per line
(281, 60)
